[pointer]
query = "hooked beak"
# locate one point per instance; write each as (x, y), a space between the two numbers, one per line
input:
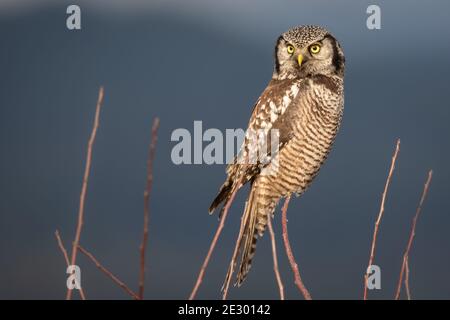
(300, 59)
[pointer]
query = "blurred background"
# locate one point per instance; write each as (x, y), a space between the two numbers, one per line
(209, 60)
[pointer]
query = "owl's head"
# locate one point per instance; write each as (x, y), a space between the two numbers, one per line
(307, 51)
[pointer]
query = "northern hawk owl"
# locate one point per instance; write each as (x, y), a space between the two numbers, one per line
(304, 102)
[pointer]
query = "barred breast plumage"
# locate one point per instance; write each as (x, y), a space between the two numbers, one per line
(304, 103)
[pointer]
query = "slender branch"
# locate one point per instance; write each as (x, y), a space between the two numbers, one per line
(412, 233)
(408, 292)
(275, 260)
(108, 273)
(66, 258)
(85, 184)
(148, 188)
(380, 215)
(62, 248)
(212, 246)
(293, 263)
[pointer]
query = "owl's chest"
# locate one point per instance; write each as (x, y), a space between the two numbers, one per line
(317, 112)
(314, 126)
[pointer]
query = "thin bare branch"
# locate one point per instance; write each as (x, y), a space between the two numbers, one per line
(108, 273)
(293, 263)
(85, 184)
(66, 258)
(148, 188)
(408, 292)
(212, 246)
(62, 248)
(412, 233)
(380, 215)
(275, 260)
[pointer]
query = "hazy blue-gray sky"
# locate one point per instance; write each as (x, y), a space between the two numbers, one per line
(209, 61)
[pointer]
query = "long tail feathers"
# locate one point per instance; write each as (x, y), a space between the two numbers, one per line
(243, 233)
(254, 221)
(248, 241)
(256, 216)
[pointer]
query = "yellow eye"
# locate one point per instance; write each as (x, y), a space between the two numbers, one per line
(290, 49)
(314, 49)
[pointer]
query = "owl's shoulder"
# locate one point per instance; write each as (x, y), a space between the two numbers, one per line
(274, 101)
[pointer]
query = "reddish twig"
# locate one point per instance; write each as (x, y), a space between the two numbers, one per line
(66, 258)
(212, 246)
(275, 259)
(85, 184)
(108, 273)
(61, 246)
(148, 188)
(380, 215)
(408, 292)
(412, 234)
(293, 263)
